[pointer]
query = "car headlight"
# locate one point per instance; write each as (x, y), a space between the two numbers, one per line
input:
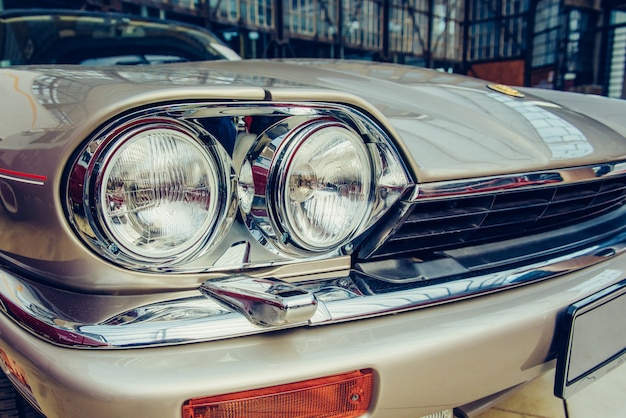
(322, 184)
(156, 193)
(202, 187)
(310, 185)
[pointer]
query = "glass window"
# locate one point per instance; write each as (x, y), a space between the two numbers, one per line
(617, 56)
(547, 29)
(447, 29)
(497, 29)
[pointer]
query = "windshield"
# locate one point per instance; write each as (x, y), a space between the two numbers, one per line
(102, 39)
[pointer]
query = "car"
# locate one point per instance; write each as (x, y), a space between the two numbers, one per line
(303, 238)
(51, 36)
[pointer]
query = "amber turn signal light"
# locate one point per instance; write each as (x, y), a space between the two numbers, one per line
(346, 395)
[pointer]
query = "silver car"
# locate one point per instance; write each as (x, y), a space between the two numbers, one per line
(303, 238)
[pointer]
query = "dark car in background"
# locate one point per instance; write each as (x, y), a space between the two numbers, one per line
(35, 36)
(215, 237)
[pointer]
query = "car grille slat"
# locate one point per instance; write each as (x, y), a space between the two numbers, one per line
(434, 225)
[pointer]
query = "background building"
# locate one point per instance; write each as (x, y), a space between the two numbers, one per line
(561, 44)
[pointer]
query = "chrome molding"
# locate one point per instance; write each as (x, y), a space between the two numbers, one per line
(26, 178)
(201, 317)
(473, 187)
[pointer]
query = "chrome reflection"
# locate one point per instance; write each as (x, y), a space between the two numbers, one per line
(202, 318)
(528, 181)
(264, 301)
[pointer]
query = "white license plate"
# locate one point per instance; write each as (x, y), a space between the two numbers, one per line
(594, 340)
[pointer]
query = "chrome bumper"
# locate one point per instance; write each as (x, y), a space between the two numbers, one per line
(244, 305)
(425, 360)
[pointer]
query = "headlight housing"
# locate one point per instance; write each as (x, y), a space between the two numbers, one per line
(317, 191)
(158, 194)
(161, 189)
(324, 179)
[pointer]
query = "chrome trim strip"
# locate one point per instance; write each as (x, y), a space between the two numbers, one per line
(199, 318)
(461, 188)
(20, 177)
(21, 180)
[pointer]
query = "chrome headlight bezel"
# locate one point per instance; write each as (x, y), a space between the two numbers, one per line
(268, 167)
(110, 231)
(347, 189)
(249, 145)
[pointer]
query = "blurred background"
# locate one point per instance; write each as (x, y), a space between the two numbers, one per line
(575, 45)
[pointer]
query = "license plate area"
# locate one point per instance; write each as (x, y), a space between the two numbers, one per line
(594, 340)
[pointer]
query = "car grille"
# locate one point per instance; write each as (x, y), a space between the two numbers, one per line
(452, 223)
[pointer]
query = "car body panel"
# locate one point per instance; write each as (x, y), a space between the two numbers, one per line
(431, 122)
(439, 326)
(455, 127)
(425, 361)
(427, 128)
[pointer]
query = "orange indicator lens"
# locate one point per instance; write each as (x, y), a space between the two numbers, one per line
(342, 396)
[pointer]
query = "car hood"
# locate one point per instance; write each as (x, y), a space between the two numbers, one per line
(456, 127)
(447, 126)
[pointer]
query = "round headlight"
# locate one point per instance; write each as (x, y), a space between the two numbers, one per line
(323, 174)
(157, 193)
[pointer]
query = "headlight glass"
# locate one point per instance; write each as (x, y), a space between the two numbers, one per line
(324, 182)
(158, 193)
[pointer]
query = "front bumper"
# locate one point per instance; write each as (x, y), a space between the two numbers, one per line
(425, 360)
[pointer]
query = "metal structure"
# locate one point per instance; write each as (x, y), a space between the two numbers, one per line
(428, 30)
(563, 44)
